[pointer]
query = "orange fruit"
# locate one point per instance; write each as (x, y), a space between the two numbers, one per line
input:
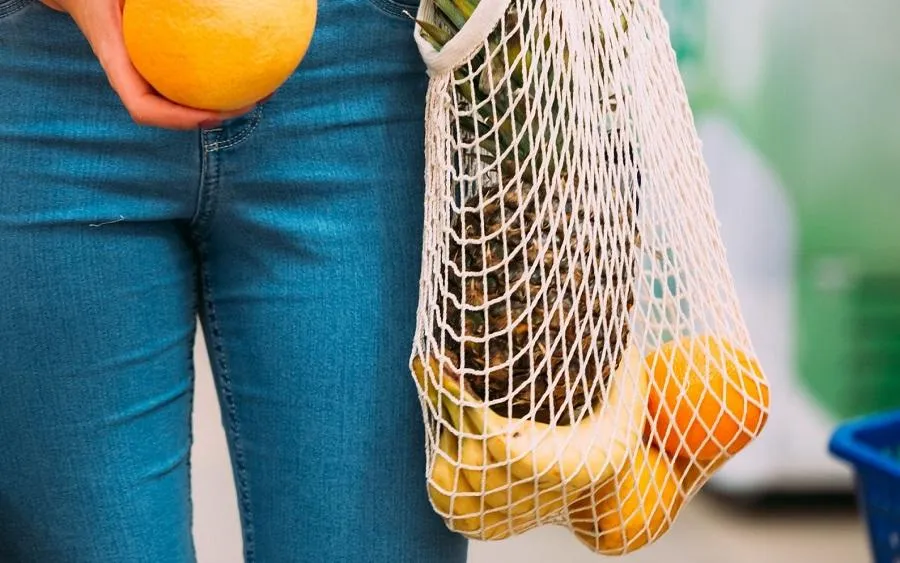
(695, 473)
(634, 509)
(707, 398)
(217, 54)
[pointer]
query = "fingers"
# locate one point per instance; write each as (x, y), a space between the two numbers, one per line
(144, 105)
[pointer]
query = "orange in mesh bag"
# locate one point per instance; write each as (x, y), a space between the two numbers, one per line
(579, 353)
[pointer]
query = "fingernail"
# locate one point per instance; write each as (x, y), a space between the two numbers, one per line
(210, 124)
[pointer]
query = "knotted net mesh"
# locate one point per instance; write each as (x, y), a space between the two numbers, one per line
(579, 353)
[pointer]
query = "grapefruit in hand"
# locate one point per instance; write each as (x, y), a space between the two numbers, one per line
(218, 55)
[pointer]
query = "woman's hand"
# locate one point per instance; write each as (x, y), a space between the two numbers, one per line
(101, 23)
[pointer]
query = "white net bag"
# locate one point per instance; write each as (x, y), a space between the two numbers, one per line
(579, 353)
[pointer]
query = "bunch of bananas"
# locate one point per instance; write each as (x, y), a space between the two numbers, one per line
(492, 477)
(609, 477)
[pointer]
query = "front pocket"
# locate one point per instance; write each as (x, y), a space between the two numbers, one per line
(397, 8)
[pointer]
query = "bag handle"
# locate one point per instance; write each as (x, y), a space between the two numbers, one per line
(471, 37)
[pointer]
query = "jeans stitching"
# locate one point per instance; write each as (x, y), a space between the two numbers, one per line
(242, 135)
(206, 192)
(225, 385)
(13, 6)
(192, 370)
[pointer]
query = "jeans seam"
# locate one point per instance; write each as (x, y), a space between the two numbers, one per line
(242, 135)
(10, 8)
(215, 345)
(206, 190)
(192, 370)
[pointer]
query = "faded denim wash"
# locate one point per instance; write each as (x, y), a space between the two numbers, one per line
(294, 233)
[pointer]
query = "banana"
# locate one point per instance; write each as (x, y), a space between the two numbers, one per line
(503, 491)
(424, 383)
(466, 513)
(463, 509)
(500, 489)
(590, 451)
(495, 483)
(509, 505)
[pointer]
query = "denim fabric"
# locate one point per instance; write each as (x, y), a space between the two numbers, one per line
(293, 232)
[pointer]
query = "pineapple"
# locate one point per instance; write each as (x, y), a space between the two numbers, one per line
(537, 316)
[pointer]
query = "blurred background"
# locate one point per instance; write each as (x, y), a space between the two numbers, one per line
(795, 103)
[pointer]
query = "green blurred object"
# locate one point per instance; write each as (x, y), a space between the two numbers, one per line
(826, 120)
(812, 84)
(688, 29)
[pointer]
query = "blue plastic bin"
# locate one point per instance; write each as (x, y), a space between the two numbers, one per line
(872, 445)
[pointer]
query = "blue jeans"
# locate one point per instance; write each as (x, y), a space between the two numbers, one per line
(293, 232)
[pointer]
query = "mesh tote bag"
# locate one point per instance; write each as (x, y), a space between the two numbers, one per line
(579, 353)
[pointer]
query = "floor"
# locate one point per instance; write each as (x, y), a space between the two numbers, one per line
(708, 530)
